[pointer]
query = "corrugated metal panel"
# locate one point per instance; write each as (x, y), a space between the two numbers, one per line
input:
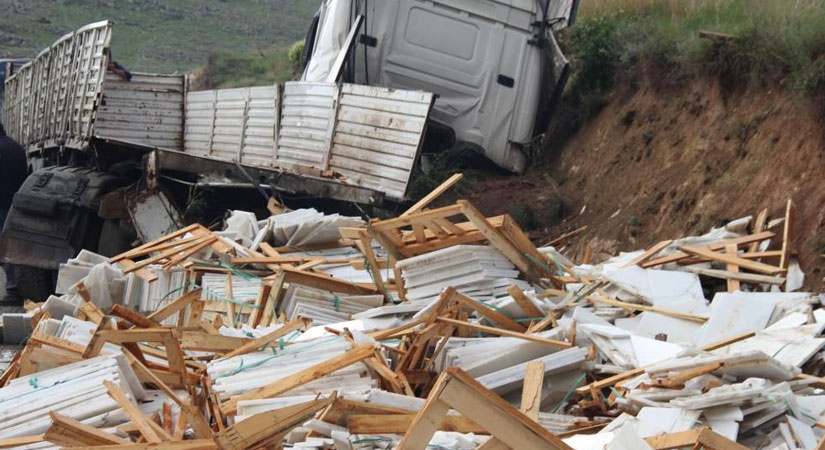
(307, 120)
(55, 95)
(377, 136)
(147, 110)
(234, 124)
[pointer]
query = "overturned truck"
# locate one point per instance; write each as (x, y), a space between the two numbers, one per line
(119, 157)
(115, 157)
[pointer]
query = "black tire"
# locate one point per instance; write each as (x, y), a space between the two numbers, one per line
(33, 283)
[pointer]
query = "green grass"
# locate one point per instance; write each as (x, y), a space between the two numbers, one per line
(162, 36)
(774, 41)
(252, 68)
(619, 43)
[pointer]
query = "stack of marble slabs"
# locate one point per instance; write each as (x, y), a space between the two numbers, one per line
(325, 307)
(216, 293)
(240, 374)
(146, 297)
(478, 271)
(76, 269)
(74, 390)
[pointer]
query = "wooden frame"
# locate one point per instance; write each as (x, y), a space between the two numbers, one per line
(423, 232)
(458, 390)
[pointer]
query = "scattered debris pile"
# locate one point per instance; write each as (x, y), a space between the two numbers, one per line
(440, 327)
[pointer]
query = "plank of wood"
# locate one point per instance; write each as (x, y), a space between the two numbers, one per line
(679, 255)
(787, 236)
(739, 276)
(680, 378)
(290, 382)
(733, 283)
(743, 263)
(758, 225)
(199, 425)
(502, 332)
(92, 312)
(614, 379)
(649, 253)
(174, 306)
(674, 441)
(56, 342)
(326, 283)
(419, 217)
(460, 229)
(209, 240)
(263, 298)
(531, 389)
(633, 306)
(195, 313)
(400, 424)
(20, 441)
(195, 444)
(254, 345)
(710, 439)
(497, 317)
(67, 432)
(174, 355)
(819, 446)
(541, 325)
(274, 259)
(495, 237)
(219, 244)
(135, 318)
(138, 251)
(769, 254)
(493, 444)
(254, 431)
(135, 414)
(456, 389)
(565, 236)
(540, 265)
(207, 342)
(426, 421)
(434, 194)
(144, 274)
(527, 306)
(166, 254)
(365, 245)
(449, 226)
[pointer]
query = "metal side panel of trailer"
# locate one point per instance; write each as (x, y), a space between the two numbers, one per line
(146, 109)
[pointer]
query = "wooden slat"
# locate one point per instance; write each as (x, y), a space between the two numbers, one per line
(649, 253)
(400, 424)
(735, 260)
(288, 383)
(502, 332)
(679, 255)
(434, 194)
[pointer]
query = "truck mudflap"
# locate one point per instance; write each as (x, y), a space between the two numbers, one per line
(53, 215)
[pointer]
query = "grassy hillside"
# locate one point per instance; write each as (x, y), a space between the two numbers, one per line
(758, 44)
(157, 35)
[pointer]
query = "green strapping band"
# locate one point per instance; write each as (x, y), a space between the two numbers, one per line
(569, 392)
(543, 265)
(494, 307)
(215, 296)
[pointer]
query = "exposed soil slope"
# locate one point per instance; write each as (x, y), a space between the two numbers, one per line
(655, 165)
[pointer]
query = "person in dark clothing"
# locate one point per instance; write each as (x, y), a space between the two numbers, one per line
(12, 174)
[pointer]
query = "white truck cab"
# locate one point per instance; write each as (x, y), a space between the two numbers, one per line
(494, 64)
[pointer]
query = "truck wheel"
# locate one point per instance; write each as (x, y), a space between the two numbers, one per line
(34, 283)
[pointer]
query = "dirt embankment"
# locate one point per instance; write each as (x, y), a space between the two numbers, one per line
(655, 165)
